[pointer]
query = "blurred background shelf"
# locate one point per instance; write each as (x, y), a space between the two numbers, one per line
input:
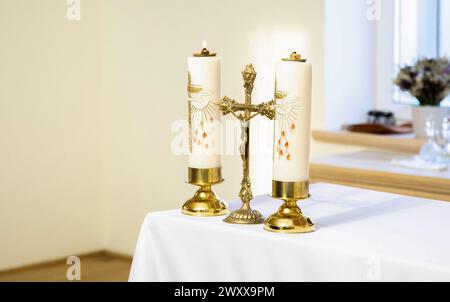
(405, 143)
(373, 170)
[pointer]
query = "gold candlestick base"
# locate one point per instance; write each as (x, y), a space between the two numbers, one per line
(289, 219)
(205, 203)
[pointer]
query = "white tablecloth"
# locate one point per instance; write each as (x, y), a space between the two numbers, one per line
(362, 236)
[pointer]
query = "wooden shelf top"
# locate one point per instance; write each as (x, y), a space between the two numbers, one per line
(400, 143)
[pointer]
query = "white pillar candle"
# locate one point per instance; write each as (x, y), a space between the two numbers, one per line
(293, 121)
(204, 93)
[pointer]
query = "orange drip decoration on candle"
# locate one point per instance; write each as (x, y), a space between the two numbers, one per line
(285, 122)
(201, 111)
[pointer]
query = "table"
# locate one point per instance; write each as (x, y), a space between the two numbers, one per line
(362, 236)
(373, 170)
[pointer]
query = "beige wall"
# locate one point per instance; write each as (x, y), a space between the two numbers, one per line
(87, 108)
(49, 131)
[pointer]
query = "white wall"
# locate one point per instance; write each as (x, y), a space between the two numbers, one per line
(384, 58)
(49, 131)
(350, 62)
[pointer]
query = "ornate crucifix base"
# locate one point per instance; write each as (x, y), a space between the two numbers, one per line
(245, 215)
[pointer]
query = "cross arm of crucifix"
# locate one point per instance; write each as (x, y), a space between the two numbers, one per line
(230, 106)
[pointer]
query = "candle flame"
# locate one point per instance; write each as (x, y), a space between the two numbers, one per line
(205, 44)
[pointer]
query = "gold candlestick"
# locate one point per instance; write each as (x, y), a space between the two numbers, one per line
(289, 219)
(205, 203)
(246, 112)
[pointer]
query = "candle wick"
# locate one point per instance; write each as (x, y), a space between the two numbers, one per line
(205, 51)
(295, 56)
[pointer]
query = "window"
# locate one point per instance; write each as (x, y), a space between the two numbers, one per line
(445, 27)
(422, 29)
(405, 31)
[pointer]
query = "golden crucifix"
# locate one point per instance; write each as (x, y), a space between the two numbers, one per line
(245, 112)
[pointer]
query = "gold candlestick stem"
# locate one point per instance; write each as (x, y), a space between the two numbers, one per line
(246, 112)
